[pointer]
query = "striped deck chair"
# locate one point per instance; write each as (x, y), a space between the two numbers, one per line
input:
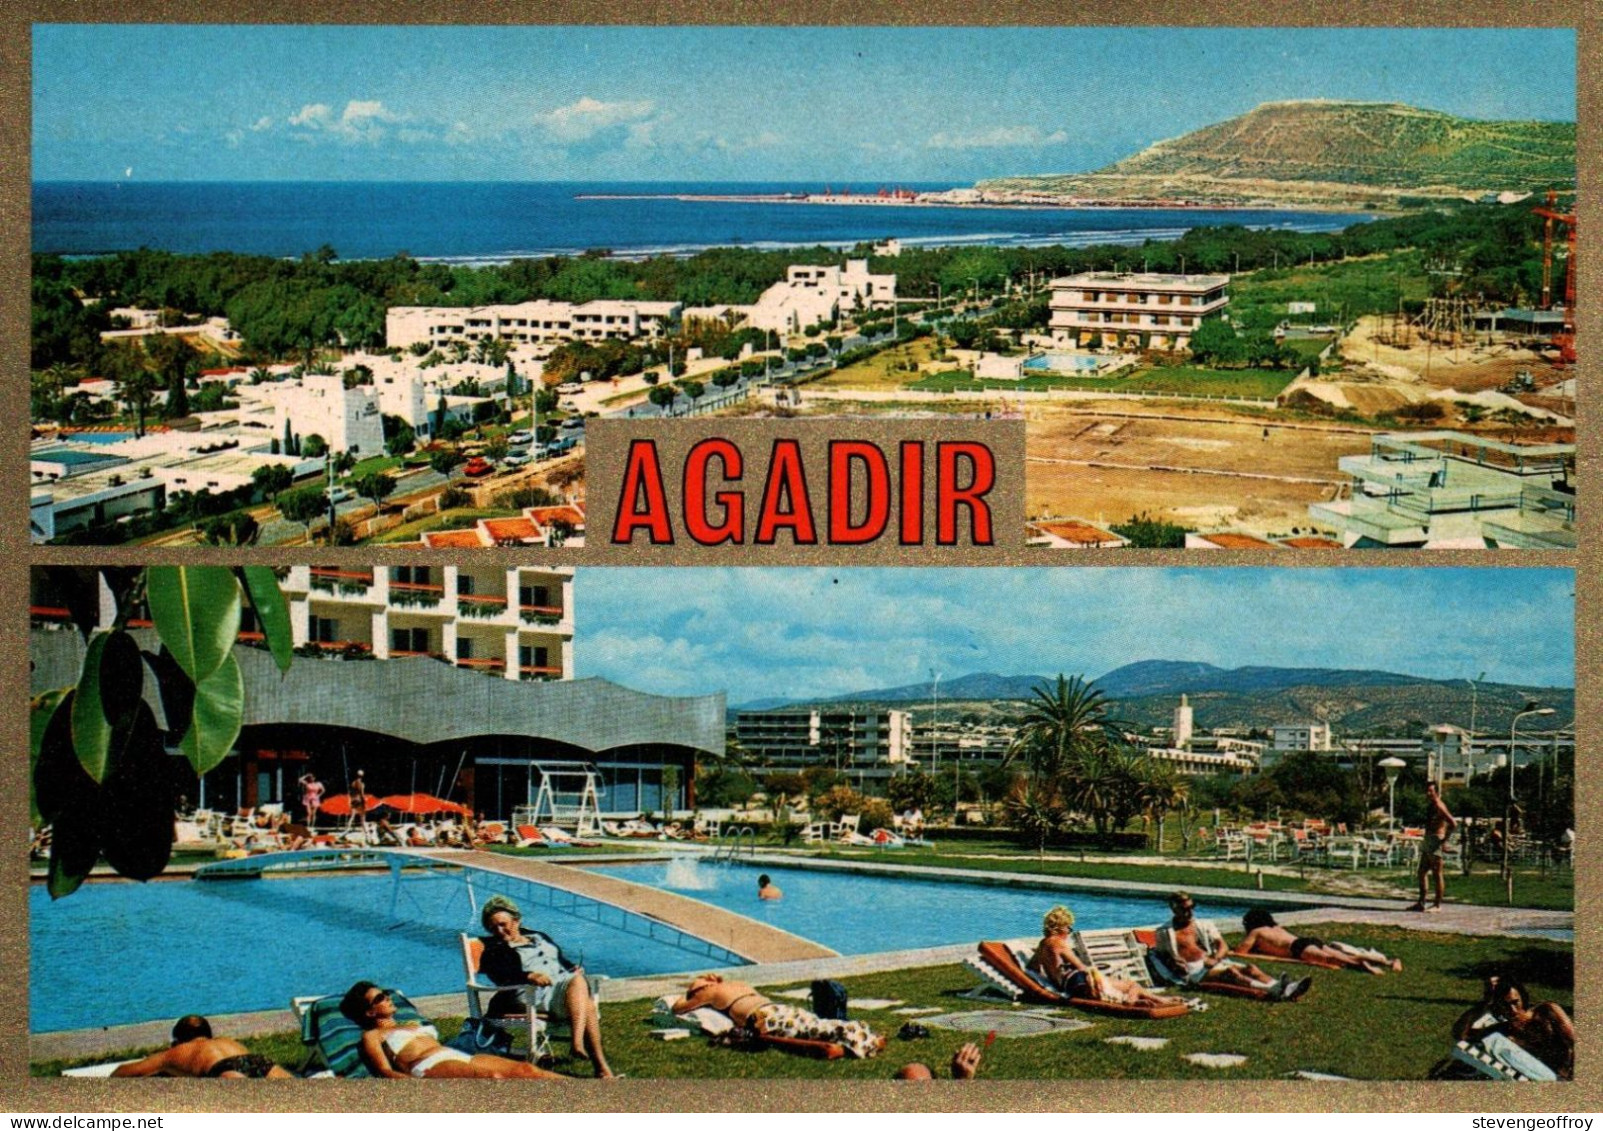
(334, 1041)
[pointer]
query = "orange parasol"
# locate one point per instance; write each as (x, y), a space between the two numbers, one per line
(421, 803)
(340, 805)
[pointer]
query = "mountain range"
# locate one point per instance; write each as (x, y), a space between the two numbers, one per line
(1332, 153)
(1146, 693)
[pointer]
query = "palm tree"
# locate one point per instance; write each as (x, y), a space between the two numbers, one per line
(1165, 791)
(1061, 723)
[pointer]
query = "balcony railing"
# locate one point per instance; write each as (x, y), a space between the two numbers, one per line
(545, 615)
(530, 671)
(488, 663)
(331, 649)
(341, 580)
(475, 605)
(415, 593)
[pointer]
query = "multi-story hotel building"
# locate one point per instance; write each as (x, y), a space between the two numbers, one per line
(527, 322)
(850, 737)
(513, 623)
(1134, 311)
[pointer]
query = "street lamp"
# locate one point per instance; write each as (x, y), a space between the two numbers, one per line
(1469, 755)
(1508, 814)
(1393, 766)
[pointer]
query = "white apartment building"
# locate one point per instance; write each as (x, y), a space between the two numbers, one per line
(510, 622)
(1134, 310)
(811, 294)
(1302, 736)
(348, 419)
(540, 320)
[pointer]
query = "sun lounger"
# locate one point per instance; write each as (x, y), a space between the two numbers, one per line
(997, 963)
(1488, 1063)
(334, 1041)
(714, 1023)
(95, 1071)
(481, 996)
(1162, 973)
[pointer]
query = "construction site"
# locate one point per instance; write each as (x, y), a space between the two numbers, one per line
(1455, 362)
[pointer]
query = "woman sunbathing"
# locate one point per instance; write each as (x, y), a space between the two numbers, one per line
(764, 1018)
(533, 964)
(395, 1051)
(1056, 963)
(1268, 938)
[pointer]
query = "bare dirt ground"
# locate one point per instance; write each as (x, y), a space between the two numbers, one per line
(1203, 469)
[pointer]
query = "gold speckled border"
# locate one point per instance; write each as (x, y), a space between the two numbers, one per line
(19, 1093)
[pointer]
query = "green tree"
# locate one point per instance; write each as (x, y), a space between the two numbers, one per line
(100, 774)
(302, 504)
(312, 447)
(237, 528)
(1148, 533)
(378, 487)
(271, 478)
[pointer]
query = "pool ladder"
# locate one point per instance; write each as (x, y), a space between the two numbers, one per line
(729, 851)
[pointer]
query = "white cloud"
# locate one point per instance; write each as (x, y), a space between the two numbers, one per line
(262, 123)
(362, 120)
(584, 119)
(998, 137)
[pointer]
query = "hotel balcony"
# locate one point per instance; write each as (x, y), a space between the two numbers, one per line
(335, 583)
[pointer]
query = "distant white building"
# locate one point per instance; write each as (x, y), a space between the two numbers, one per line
(1302, 736)
(540, 320)
(812, 294)
(1130, 310)
(1182, 724)
(348, 419)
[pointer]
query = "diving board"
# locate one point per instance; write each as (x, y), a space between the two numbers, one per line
(749, 939)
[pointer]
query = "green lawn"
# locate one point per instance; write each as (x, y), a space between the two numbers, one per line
(372, 466)
(1261, 384)
(1380, 1028)
(447, 520)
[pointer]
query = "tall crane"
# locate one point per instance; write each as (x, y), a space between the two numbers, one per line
(1565, 338)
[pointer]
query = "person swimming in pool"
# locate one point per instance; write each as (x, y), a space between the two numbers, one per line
(396, 1052)
(767, 889)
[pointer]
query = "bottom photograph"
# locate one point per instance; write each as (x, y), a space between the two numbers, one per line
(526, 821)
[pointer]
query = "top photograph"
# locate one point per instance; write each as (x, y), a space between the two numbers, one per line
(1248, 289)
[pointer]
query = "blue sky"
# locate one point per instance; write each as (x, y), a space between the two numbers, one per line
(618, 103)
(757, 633)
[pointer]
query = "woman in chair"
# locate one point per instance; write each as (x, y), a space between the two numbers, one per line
(532, 964)
(1057, 965)
(396, 1052)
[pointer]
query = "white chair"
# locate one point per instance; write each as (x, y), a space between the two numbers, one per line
(537, 1025)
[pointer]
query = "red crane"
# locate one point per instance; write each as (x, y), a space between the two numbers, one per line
(1565, 338)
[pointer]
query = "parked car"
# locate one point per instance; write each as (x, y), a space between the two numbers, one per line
(569, 387)
(520, 437)
(338, 494)
(478, 465)
(516, 459)
(572, 424)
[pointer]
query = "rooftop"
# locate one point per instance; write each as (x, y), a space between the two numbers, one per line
(1072, 530)
(1143, 279)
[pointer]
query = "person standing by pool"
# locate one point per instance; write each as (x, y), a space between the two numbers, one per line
(196, 1053)
(311, 798)
(359, 800)
(1439, 826)
(767, 889)
(533, 967)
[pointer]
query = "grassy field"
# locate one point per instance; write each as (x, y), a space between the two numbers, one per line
(1377, 1028)
(1260, 384)
(880, 371)
(1372, 284)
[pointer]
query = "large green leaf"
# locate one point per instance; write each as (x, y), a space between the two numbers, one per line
(215, 722)
(136, 801)
(74, 849)
(196, 610)
(40, 714)
(261, 584)
(108, 688)
(176, 689)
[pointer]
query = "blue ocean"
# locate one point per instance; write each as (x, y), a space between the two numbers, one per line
(491, 222)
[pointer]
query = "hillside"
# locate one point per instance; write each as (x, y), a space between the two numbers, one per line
(1352, 154)
(1144, 694)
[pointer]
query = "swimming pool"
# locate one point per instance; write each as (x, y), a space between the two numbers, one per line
(1063, 363)
(860, 914)
(100, 437)
(116, 953)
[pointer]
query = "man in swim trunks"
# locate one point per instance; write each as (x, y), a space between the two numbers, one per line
(1439, 826)
(1544, 1030)
(196, 1053)
(1270, 939)
(1193, 953)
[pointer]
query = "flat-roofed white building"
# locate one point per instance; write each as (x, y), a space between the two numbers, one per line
(349, 420)
(1130, 310)
(1301, 736)
(540, 320)
(511, 622)
(810, 294)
